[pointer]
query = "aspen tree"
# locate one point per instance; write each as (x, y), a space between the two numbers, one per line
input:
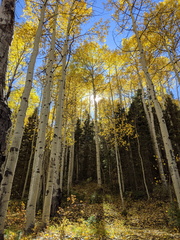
(114, 62)
(150, 120)
(43, 122)
(71, 163)
(10, 167)
(71, 111)
(118, 160)
(142, 164)
(30, 160)
(6, 34)
(131, 9)
(62, 161)
(98, 162)
(164, 27)
(53, 190)
(155, 144)
(87, 56)
(165, 135)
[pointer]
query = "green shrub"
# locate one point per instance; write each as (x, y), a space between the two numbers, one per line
(174, 215)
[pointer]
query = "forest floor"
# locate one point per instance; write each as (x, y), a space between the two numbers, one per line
(88, 215)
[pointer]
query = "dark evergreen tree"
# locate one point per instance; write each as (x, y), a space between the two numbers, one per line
(85, 152)
(27, 148)
(136, 116)
(78, 149)
(172, 117)
(106, 162)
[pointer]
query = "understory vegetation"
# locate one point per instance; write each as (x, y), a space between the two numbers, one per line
(88, 215)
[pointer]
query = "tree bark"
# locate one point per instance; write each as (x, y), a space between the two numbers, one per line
(40, 143)
(71, 166)
(142, 165)
(6, 33)
(156, 147)
(53, 191)
(98, 161)
(29, 163)
(11, 163)
(150, 120)
(174, 173)
(117, 153)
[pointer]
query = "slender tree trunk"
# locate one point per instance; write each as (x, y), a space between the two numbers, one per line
(62, 164)
(118, 164)
(53, 188)
(172, 62)
(142, 165)
(10, 167)
(156, 148)
(98, 162)
(121, 171)
(71, 166)
(29, 165)
(150, 120)
(66, 162)
(53, 191)
(40, 143)
(117, 154)
(165, 135)
(119, 87)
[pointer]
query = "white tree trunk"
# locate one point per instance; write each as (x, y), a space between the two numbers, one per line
(62, 164)
(150, 120)
(165, 135)
(41, 137)
(172, 61)
(53, 191)
(10, 167)
(29, 162)
(98, 161)
(71, 166)
(156, 147)
(142, 165)
(117, 154)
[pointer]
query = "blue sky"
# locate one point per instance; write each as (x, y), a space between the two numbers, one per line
(19, 10)
(112, 40)
(99, 12)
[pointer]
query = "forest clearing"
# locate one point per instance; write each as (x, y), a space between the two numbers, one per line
(89, 119)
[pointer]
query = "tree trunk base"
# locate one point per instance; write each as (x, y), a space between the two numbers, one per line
(1, 236)
(56, 203)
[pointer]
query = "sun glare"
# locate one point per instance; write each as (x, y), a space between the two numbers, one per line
(98, 98)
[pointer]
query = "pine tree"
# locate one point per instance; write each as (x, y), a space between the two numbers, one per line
(87, 158)
(172, 116)
(78, 148)
(25, 155)
(137, 117)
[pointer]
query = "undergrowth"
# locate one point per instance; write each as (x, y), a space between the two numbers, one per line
(80, 218)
